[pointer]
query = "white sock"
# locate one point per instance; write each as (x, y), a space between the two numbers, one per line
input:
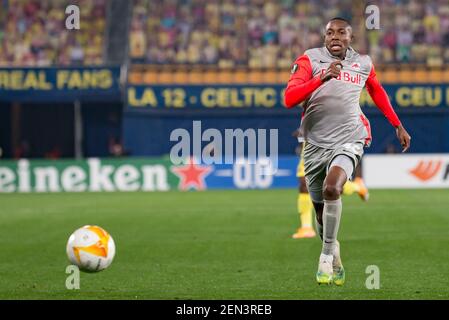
(331, 222)
(325, 264)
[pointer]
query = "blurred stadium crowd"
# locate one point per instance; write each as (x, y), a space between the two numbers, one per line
(226, 33)
(31, 33)
(259, 33)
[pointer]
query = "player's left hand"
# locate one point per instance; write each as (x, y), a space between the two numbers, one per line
(296, 133)
(404, 138)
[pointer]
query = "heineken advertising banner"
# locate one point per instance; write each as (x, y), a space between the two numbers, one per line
(139, 174)
(159, 174)
(84, 175)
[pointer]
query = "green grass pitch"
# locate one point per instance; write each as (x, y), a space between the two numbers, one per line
(224, 245)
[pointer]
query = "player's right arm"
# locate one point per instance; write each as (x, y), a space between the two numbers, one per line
(302, 83)
(380, 98)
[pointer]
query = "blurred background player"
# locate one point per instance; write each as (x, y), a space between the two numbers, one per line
(304, 202)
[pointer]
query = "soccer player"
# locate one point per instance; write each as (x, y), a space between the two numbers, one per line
(329, 81)
(304, 203)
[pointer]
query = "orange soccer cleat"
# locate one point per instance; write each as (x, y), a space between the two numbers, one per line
(306, 232)
(363, 190)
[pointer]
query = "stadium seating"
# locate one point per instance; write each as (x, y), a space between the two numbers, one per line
(194, 41)
(32, 33)
(140, 74)
(269, 34)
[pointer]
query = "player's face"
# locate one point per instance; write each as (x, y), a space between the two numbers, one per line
(338, 37)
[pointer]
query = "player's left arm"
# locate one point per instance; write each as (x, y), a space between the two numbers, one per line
(380, 98)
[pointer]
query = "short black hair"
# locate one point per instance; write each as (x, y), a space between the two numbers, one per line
(341, 19)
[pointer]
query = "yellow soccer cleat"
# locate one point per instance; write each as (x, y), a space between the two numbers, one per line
(323, 278)
(363, 190)
(306, 232)
(338, 276)
(324, 274)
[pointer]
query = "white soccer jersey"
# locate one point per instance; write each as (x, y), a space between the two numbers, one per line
(332, 113)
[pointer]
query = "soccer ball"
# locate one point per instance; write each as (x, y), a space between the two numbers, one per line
(91, 248)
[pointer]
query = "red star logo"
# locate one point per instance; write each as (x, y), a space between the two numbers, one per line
(191, 175)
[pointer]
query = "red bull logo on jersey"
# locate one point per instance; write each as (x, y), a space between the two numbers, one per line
(347, 77)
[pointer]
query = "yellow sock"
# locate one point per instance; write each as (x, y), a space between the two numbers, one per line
(305, 210)
(350, 187)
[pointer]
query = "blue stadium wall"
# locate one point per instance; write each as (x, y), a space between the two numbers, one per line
(144, 116)
(44, 99)
(148, 134)
(150, 115)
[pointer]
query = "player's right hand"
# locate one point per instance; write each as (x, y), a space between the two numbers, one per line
(404, 138)
(332, 72)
